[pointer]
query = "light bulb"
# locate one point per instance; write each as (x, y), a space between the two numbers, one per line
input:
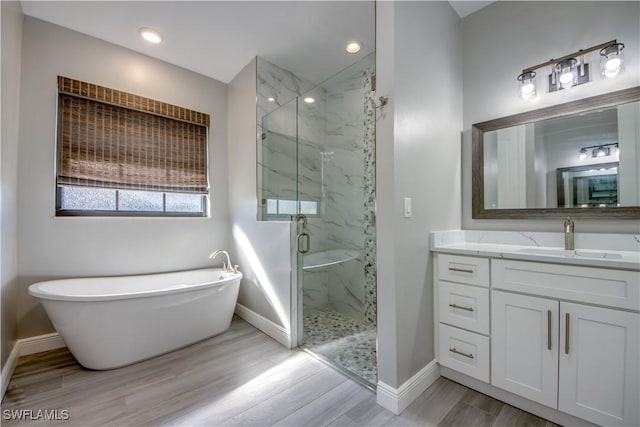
(566, 78)
(309, 100)
(528, 90)
(583, 155)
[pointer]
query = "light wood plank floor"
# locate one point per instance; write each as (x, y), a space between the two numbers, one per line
(239, 378)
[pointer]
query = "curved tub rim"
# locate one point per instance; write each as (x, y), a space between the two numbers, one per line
(35, 291)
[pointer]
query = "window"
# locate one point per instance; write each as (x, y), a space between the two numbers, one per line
(285, 208)
(121, 154)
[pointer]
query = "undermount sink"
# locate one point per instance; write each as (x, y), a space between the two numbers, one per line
(586, 253)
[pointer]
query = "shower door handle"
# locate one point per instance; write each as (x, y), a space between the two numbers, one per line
(301, 239)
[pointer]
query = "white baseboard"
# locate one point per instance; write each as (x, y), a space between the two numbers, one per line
(40, 343)
(275, 331)
(397, 399)
(24, 347)
(8, 368)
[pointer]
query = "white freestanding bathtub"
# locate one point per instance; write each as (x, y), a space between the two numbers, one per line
(109, 322)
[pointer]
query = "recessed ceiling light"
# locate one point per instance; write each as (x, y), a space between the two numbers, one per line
(271, 99)
(309, 100)
(353, 47)
(152, 36)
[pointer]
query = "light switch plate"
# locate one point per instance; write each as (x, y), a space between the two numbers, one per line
(407, 207)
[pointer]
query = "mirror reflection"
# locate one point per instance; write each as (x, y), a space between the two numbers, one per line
(585, 160)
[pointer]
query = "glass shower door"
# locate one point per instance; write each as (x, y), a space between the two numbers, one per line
(335, 193)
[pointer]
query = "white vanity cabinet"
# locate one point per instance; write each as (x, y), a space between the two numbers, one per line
(463, 305)
(524, 346)
(563, 336)
(599, 364)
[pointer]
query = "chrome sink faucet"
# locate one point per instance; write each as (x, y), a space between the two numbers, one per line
(225, 265)
(569, 244)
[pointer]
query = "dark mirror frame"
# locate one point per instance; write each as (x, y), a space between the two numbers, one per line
(477, 161)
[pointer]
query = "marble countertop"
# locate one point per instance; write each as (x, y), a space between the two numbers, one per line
(593, 250)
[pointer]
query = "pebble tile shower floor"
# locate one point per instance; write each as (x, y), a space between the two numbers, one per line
(344, 341)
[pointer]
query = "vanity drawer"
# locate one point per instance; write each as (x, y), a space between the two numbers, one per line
(464, 306)
(607, 287)
(465, 352)
(464, 269)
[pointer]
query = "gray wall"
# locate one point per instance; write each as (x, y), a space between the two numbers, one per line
(261, 248)
(51, 247)
(506, 37)
(418, 156)
(11, 36)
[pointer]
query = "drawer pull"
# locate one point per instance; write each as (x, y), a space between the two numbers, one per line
(469, 355)
(461, 307)
(460, 270)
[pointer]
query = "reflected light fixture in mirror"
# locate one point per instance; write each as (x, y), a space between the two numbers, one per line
(611, 60)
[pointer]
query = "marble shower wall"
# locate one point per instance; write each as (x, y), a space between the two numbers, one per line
(346, 193)
(324, 152)
(276, 88)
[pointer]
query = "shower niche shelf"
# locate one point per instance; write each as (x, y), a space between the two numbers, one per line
(327, 258)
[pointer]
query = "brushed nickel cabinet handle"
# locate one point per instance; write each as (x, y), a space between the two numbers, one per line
(548, 329)
(460, 270)
(566, 333)
(469, 355)
(461, 307)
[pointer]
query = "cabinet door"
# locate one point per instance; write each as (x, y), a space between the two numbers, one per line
(524, 346)
(599, 362)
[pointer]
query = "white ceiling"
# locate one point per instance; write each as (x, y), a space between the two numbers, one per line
(218, 38)
(464, 8)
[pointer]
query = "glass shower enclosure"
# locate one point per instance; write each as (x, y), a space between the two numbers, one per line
(318, 168)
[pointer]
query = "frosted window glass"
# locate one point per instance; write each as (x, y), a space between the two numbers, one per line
(183, 202)
(87, 199)
(287, 207)
(308, 208)
(147, 201)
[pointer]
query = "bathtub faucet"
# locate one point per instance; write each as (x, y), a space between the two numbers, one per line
(225, 265)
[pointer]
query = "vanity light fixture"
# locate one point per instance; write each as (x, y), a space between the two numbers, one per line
(150, 35)
(611, 60)
(595, 151)
(353, 47)
(573, 69)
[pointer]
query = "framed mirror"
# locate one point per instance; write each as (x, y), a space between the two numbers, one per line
(581, 158)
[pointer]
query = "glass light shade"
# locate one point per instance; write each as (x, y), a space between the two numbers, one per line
(583, 154)
(567, 72)
(527, 87)
(611, 61)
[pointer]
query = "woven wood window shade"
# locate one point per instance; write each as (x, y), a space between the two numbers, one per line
(112, 139)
